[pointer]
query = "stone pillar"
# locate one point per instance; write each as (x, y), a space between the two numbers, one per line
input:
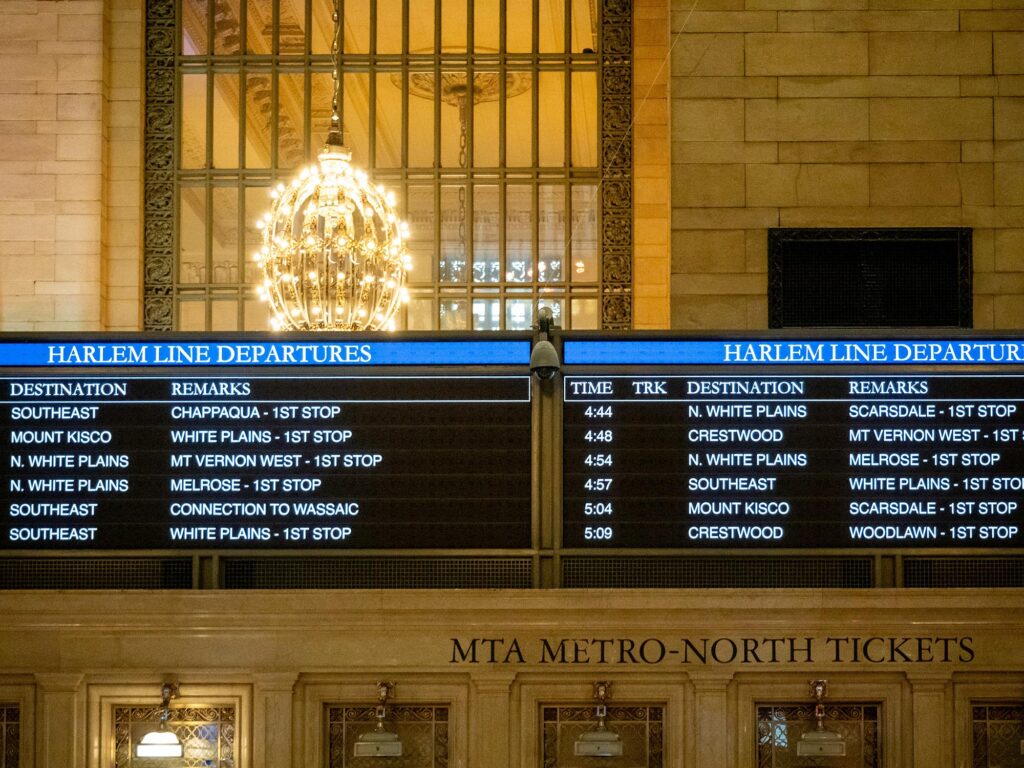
(60, 716)
(272, 719)
(489, 707)
(932, 728)
(711, 719)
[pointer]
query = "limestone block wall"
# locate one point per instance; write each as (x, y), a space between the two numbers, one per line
(842, 113)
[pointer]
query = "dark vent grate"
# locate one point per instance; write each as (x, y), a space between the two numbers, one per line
(724, 572)
(95, 573)
(981, 572)
(377, 573)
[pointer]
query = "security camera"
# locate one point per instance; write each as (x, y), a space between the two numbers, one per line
(544, 360)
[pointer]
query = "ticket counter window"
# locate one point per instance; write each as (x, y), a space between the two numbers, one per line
(208, 735)
(640, 728)
(10, 735)
(998, 735)
(421, 728)
(780, 726)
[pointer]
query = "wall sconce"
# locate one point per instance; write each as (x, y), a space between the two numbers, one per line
(380, 742)
(162, 742)
(599, 742)
(819, 742)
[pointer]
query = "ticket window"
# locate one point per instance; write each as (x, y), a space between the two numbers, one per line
(208, 734)
(640, 729)
(422, 729)
(781, 726)
(10, 734)
(997, 734)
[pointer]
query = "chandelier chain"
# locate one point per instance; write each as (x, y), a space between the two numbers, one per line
(336, 66)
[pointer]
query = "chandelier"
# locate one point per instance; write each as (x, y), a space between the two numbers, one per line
(333, 255)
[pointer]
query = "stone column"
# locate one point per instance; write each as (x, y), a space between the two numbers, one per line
(489, 708)
(932, 728)
(711, 718)
(60, 721)
(272, 719)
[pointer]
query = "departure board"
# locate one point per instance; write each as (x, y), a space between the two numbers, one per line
(794, 444)
(255, 444)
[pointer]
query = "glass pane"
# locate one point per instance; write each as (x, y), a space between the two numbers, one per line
(322, 34)
(486, 263)
(557, 310)
(419, 213)
(389, 26)
(292, 29)
(453, 234)
(420, 315)
(584, 314)
(225, 121)
(454, 315)
(421, 119)
(356, 117)
(257, 120)
(486, 22)
(551, 233)
(259, 26)
(551, 123)
(519, 27)
(485, 120)
(453, 120)
(257, 201)
(355, 15)
(552, 26)
(584, 26)
(322, 91)
(421, 26)
(224, 251)
(192, 235)
(193, 121)
(225, 316)
(584, 234)
(257, 315)
(453, 25)
(194, 17)
(584, 119)
(192, 316)
(486, 314)
(227, 30)
(519, 121)
(290, 120)
(389, 123)
(519, 233)
(518, 314)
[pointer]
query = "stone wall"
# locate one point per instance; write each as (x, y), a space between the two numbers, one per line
(843, 113)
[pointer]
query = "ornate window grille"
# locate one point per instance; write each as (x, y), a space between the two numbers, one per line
(422, 728)
(641, 729)
(998, 735)
(780, 726)
(507, 136)
(10, 735)
(207, 734)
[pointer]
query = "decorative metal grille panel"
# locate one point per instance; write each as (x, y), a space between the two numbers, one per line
(780, 726)
(641, 729)
(977, 572)
(377, 573)
(998, 735)
(10, 735)
(423, 730)
(207, 734)
(717, 572)
(95, 573)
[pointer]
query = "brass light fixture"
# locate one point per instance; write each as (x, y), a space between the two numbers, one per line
(162, 742)
(820, 742)
(333, 255)
(380, 742)
(599, 742)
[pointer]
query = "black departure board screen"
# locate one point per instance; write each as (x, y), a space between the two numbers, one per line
(265, 444)
(794, 444)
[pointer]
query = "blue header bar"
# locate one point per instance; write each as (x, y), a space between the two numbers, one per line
(193, 353)
(796, 352)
